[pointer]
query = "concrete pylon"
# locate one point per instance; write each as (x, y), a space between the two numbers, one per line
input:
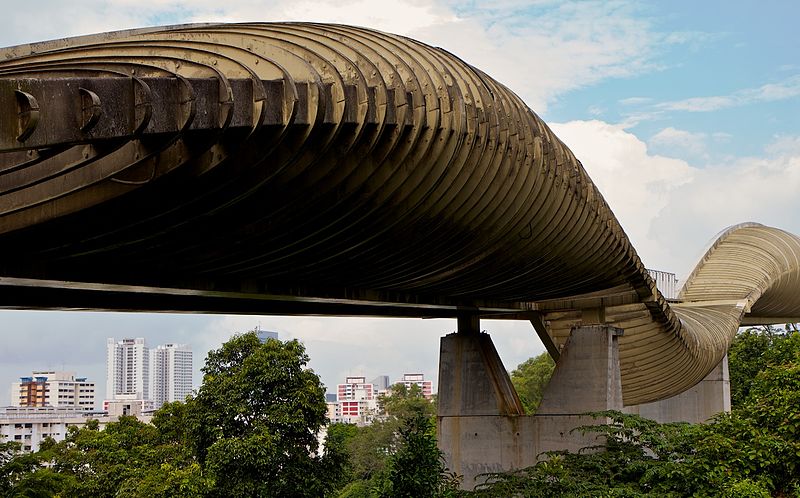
(481, 424)
(586, 379)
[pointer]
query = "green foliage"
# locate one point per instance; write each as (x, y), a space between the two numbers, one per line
(752, 452)
(254, 421)
(404, 402)
(530, 379)
(170, 420)
(753, 350)
(370, 447)
(250, 431)
(417, 468)
(21, 475)
(125, 457)
(397, 455)
(338, 453)
(637, 453)
(758, 442)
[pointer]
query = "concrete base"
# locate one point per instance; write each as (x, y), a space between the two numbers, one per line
(696, 405)
(586, 379)
(480, 421)
(475, 445)
(479, 412)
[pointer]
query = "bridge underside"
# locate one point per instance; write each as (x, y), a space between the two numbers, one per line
(36, 294)
(323, 169)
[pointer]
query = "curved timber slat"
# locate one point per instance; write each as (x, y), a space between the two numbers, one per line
(309, 168)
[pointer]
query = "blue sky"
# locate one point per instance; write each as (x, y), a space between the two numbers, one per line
(684, 113)
(731, 50)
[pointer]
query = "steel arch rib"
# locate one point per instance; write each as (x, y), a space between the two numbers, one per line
(318, 168)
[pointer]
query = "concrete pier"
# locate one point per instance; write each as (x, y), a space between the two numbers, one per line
(481, 423)
(586, 379)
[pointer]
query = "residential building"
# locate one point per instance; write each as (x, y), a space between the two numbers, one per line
(381, 383)
(171, 373)
(52, 388)
(151, 377)
(355, 388)
(356, 401)
(128, 404)
(127, 368)
(30, 425)
(417, 379)
(263, 335)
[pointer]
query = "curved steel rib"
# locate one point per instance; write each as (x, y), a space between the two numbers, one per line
(307, 168)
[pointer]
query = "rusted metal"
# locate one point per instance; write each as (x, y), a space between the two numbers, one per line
(90, 109)
(27, 115)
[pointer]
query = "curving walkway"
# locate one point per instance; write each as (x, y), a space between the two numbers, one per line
(307, 168)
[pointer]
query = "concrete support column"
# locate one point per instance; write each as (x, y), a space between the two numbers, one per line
(586, 379)
(481, 422)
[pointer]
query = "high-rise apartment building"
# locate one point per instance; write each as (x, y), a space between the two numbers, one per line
(264, 335)
(51, 388)
(381, 383)
(418, 379)
(127, 369)
(357, 401)
(152, 377)
(171, 374)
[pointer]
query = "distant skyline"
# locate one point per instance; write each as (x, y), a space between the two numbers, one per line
(685, 114)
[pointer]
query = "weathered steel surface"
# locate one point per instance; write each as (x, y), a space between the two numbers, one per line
(307, 168)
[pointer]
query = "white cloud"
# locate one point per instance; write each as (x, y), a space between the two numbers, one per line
(699, 104)
(721, 136)
(770, 92)
(554, 49)
(785, 145)
(679, 141)
(669, 207)
(540, 50)
(595, 110)
(635, 101)
(636, 184)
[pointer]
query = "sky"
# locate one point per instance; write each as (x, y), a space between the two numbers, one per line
(684, 113)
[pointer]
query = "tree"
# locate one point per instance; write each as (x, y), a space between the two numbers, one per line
(417, 468)
(397, 454)
(404, 402)
(126, 458)
(530, 379)
(369, 448)
(21, 474)
(254, 422)
(250, 431)
(753, 350)
(758, 442)
(752, 452)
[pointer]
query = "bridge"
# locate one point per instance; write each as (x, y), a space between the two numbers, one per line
(295, 168)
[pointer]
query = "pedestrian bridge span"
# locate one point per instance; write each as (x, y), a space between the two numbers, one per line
(294, 168)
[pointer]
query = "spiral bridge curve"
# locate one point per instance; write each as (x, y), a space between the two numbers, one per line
(322, 169)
